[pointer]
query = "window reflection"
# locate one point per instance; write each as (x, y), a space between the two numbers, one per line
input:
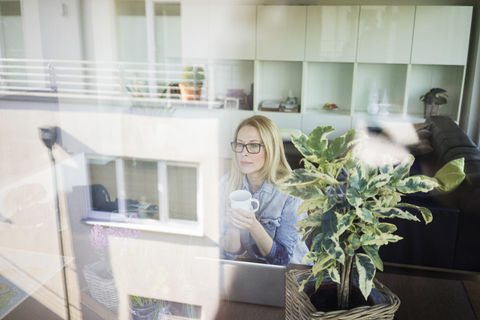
(182, 192)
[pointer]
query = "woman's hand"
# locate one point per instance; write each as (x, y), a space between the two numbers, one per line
(239, 218)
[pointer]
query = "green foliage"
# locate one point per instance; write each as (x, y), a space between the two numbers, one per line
(192, 75)
(346, 197)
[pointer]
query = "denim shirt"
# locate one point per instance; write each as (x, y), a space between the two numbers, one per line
(277, 214)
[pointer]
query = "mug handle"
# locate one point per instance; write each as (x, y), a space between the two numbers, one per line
(258, 204)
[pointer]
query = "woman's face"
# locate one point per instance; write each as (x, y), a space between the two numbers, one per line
(250, 164)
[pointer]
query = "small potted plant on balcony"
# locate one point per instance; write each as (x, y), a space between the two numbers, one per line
(192, 81)
(346, 194)
(433, 101)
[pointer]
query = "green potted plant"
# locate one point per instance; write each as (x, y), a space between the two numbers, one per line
(192, 81)
(433, 101)
(346, 196)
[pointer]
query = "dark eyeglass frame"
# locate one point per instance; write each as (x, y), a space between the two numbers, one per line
(233, 144)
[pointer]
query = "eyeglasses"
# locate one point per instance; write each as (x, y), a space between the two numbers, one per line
(251, 147)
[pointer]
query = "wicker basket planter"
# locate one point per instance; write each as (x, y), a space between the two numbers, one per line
(101, 288)
(298, 305)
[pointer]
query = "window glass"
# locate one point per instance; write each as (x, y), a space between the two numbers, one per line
(11, 28)
(103, 184)
(182, 192)
(141, 188)
(168, 33)
(132, 30)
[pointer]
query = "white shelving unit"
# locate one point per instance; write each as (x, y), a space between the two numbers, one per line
(334, 54)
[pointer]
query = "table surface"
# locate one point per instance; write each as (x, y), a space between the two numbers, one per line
(421, 297)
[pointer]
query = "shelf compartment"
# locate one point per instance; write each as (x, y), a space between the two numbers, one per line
(228, 75)
(425, 77)
(275, 78)
(389, 77)
(328, 82)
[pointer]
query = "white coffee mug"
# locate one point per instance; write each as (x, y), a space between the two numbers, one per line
(243, 199)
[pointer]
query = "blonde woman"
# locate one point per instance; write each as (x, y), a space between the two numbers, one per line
(258, 163)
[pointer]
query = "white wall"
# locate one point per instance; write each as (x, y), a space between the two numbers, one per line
(52, 29)
(99, 36)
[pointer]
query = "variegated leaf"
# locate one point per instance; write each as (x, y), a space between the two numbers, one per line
(320, 277)
(303, 191)
(386, 227)
(307, 164)
(323, 262)
(379, 240)
(310, 206)
(426, 213)
(389, 201)
(386, 165)
(354, 198)
(301, 143)
(372, 252)
(305, 234)
(334, 274)
(312, 220)
(310, 257)
(317, 242)
(416, 184)
(329, 223)
(354, 240)
(366, 272)
(333, 248)
(366, 215)
(317, 140)
(299, 177)
(394, 213)
(304, 282)
(378, 181)
(336, 148)
(368, 228)
(402, 170)
(345, 221)
(358, 178)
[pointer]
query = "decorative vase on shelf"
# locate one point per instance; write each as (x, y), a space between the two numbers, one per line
(383, 107)
(372, 108)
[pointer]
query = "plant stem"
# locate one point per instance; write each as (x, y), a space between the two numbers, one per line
(345, 285)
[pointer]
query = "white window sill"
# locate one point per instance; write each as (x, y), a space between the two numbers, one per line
(173, 227)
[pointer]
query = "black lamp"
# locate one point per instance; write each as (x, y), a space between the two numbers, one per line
(49, 138)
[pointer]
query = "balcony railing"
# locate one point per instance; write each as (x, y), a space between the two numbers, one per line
(140, 83)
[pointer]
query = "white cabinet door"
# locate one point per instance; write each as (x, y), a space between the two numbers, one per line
(194, 31)
(232, 32)
(385, 34)
(441, 35)
(281, 32)
(332, 33)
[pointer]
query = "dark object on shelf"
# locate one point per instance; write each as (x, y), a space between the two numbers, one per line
(241, 97)
(433, 101)
(250, 98)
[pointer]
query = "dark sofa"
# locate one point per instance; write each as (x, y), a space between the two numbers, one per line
(452, 239)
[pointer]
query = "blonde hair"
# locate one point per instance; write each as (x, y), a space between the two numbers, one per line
(276, 165)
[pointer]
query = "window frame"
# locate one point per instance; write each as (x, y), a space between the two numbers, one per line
(164, 224)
